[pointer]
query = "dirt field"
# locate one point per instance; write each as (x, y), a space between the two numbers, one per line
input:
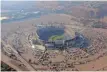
(17, 34)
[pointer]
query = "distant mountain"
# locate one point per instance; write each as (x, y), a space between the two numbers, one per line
(85, 9)
(33, 5)
(18, 5)
(90, 10)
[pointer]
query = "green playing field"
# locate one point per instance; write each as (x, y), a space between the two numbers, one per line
(56, 37)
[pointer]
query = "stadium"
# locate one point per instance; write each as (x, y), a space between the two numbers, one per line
(56, 37)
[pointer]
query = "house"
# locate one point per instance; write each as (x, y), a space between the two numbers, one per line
(38, 47)
(36, 42)
(59, 43)
(49, 45)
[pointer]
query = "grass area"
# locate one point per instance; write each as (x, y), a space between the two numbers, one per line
(5, 67)
(56, 37)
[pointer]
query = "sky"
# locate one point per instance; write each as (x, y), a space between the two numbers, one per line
(53, 0)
